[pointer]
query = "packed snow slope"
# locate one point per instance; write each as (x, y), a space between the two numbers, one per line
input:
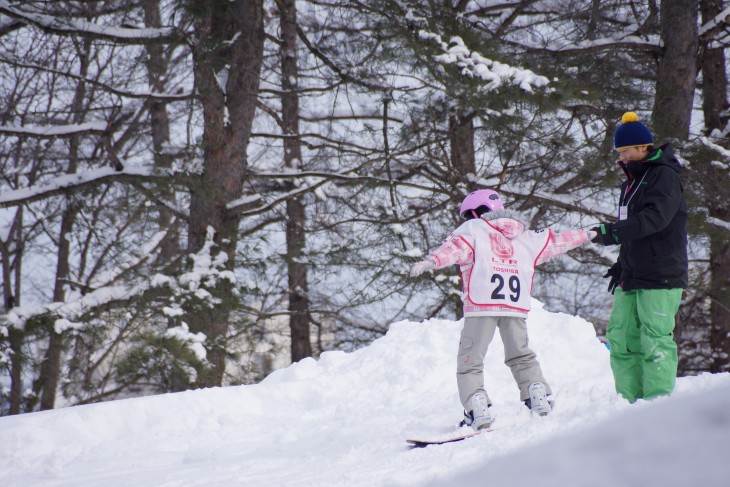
(343, 421)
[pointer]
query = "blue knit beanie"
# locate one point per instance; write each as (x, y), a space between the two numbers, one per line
(631, 133)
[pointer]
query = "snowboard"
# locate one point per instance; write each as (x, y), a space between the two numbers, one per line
(458, 435)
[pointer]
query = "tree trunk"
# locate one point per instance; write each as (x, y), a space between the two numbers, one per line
(16, 370)
(677, 69)
(10, 300)
(50, 371)
(160, 125)
(461, 138)
(714, 77)
(301, 345)
(715, 110)
(676, 72)
(463, 162)
(229, 39)
(720, 292)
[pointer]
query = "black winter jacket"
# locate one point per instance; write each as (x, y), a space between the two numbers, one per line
(653, 237)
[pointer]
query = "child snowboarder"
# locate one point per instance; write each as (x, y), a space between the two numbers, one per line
(497, 256)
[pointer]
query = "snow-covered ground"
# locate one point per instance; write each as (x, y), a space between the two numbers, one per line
(343, 421)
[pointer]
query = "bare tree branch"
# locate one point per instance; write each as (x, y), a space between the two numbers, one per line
(66, 26)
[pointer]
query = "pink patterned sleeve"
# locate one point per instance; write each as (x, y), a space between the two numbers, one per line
(455, 250)
(560, 243)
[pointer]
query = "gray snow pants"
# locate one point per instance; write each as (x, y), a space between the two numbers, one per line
(476, 336)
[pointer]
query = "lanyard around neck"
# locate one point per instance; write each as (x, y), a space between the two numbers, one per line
(628, 188)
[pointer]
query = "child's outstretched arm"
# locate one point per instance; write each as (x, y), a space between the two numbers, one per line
(455, 250)
(560, 243)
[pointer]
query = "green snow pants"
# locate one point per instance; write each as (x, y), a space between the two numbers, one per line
(641, 335)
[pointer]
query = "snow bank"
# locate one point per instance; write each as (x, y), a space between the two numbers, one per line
(343, 420)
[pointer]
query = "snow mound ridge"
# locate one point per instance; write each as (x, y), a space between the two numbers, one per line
(343, 420)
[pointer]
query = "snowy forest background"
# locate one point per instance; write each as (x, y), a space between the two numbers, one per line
(196, 192)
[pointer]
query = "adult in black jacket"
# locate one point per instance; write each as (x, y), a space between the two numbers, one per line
(651, 270)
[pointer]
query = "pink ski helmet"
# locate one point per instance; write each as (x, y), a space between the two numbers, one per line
(482, 197)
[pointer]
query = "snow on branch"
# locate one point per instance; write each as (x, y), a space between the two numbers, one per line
(70, 313)
(73, 310)
(255, 204)
(316, 182)
(569, 202)
(54, 130)
(718, 223)
(627, 39)
(68, 182)
(606, 43)
(194, 341)
(712, 29)
(720, 150)
(474, 65)
(72, 26)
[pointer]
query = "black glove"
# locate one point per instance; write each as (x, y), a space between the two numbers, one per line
(615, 274)
(605, 234)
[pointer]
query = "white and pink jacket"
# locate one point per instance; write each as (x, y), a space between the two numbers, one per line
(497, 258)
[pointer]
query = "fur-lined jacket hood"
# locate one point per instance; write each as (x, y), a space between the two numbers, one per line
(509, 223)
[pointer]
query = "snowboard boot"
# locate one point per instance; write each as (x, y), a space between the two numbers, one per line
(480, 417)
(538, 401)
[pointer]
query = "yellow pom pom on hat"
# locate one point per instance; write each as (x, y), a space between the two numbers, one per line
(631, 133)
(629, 117)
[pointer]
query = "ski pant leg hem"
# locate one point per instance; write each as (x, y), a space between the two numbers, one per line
(476, 335)
(518, 355)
